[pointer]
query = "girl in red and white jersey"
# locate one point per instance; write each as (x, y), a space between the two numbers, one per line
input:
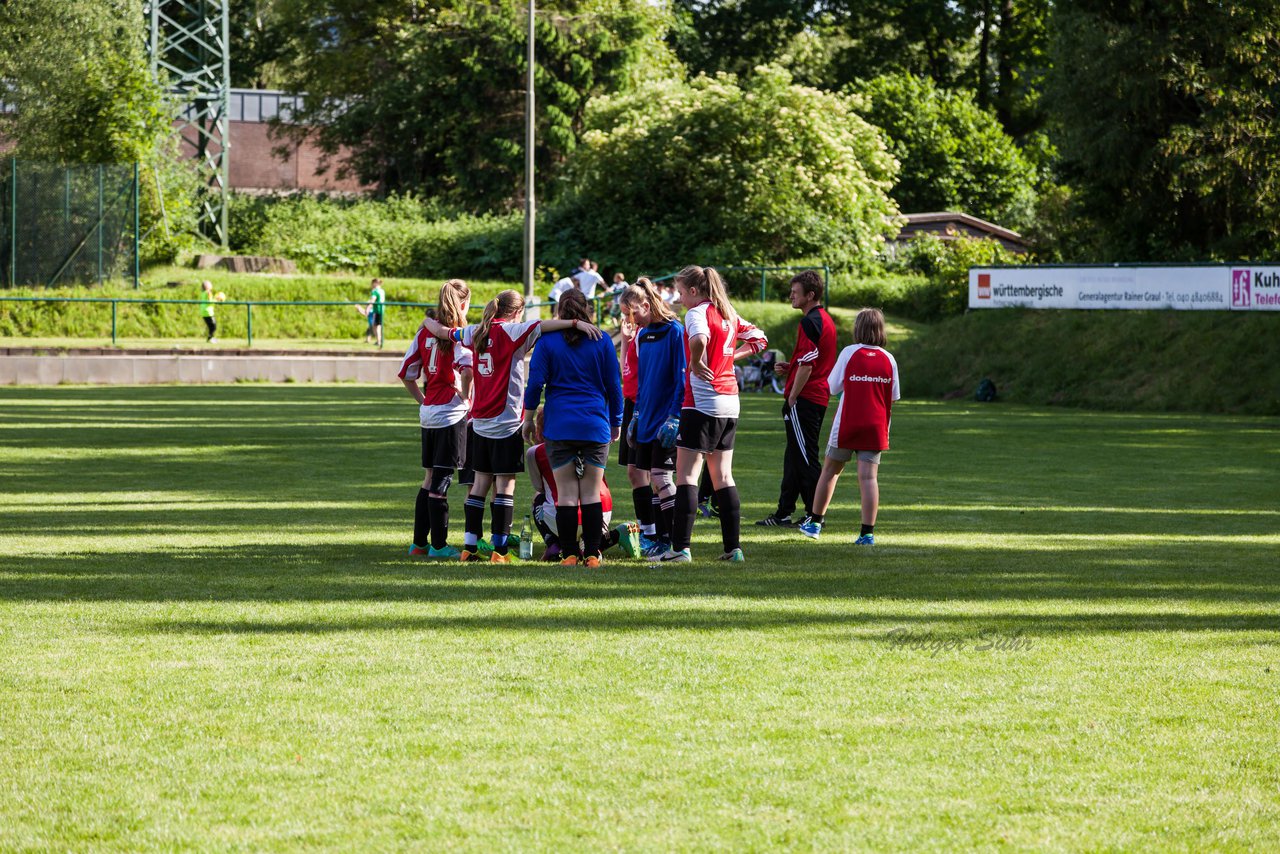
(866, 378)
(443, 399)
(499, 344)
(709, 418)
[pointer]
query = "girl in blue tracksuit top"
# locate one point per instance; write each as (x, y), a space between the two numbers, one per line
(583, 414)
(660, 364)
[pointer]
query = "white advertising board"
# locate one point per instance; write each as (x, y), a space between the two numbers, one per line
(1242, 287)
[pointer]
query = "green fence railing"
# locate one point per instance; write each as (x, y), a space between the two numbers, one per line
(764, 271)
(600, 302)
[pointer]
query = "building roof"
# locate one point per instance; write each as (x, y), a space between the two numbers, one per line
(950, 224)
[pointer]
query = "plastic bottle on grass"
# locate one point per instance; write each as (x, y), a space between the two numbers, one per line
(526, 540)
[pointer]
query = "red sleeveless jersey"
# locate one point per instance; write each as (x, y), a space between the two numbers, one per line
(866, 378)
(630, 376)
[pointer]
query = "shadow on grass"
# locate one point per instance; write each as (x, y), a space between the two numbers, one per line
(869, 626)
(1172, 572)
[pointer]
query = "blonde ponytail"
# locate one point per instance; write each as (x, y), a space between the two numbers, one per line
(643, 290)
(707, 282)
(504, 306)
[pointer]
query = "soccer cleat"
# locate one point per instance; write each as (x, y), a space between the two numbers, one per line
(629, 538)
(470, 555)
(497, 558)
(674, 556)
(865, 540)
(773, 520)
(593, 562)
(483, 548)
(418, 551)
(446, 553)
(571, 560)
(551, 554)
(646, 543)
(811, 529)
(735, 556)
(656, 550)
(706, 511)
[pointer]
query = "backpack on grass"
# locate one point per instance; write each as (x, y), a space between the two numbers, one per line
(986, 391)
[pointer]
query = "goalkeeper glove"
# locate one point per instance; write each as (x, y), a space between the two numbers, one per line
(668, 432)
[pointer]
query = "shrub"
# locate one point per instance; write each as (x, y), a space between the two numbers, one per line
(954, 154)
(945, 264)
(721, 170)
(397, 236)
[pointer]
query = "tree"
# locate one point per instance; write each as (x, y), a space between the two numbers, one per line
(860, 38)
(722, 170)
(79, 81)
(954, 155)
(1165, 120)
(259, 43)
(431, 99)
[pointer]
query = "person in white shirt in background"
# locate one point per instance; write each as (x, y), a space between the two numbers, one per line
(588, 278)
(560, 287)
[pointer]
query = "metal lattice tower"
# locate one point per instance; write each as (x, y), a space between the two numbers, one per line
(187, 41)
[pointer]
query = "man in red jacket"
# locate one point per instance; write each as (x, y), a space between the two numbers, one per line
(806, 399)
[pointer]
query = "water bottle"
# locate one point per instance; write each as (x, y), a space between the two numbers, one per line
(526, 540)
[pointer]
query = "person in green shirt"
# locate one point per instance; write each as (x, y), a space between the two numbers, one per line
(377, 301)
(206, 310)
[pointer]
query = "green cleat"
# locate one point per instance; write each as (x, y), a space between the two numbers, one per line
(629, 539)
(735, 556)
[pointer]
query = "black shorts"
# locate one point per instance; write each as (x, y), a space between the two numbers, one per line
(562, 453)
(624, 450)
(444, 447)
(375, 317)
(651, 455)
(496, 456)
(704, 433)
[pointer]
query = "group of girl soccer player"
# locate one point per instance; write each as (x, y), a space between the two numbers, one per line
(672, 406)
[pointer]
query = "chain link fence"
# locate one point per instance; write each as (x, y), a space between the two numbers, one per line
(66, 225)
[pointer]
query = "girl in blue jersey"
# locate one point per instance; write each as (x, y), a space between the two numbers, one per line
(660, 365)
(582, 416)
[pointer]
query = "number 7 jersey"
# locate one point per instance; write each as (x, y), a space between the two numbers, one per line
(438, 362)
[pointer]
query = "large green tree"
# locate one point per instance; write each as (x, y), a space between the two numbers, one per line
(260, 40)
(994, 49)
(725, 170)
(79, 81)
(954, 155)
(430, 98)
(1166, 116)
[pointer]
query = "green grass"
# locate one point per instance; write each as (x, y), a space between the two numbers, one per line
(212, 638)
(286, 327)
(1191, 361)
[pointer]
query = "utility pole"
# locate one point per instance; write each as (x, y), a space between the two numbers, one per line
(188, 42)
(529, 206)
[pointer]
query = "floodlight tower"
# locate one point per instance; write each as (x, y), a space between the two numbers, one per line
(188, 43)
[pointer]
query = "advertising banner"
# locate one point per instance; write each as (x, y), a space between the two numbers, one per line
(1242, 287)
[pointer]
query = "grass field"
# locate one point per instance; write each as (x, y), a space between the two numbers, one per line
(1067, 638)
